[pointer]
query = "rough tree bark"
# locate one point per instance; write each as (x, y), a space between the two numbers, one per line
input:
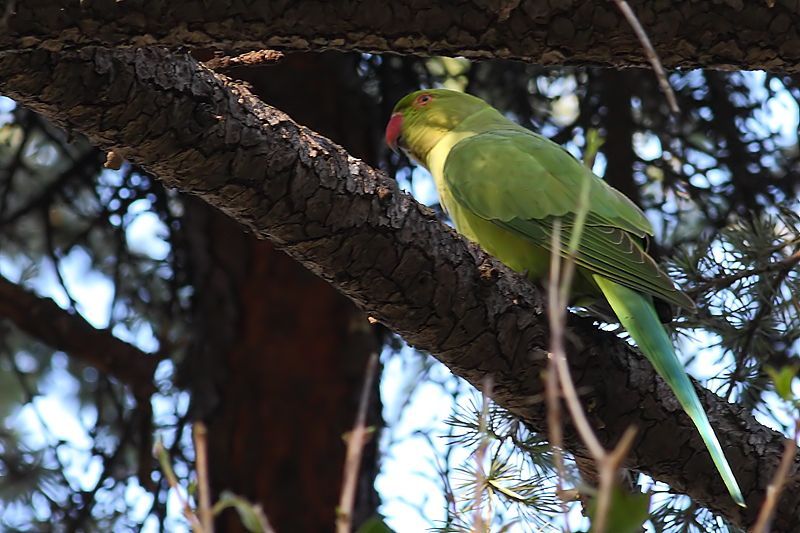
(350, 225)
(706, 33)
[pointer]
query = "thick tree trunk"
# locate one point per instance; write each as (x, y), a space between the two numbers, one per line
(279, 355)
(619, 129)
(351, 226)
(277, 368)
(704, 33)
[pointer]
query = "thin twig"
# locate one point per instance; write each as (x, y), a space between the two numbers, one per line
(554, 428)
(355, 446)
(559, 285)
(557, 309)
(650, 53)
(479, 523)
(718, 283)
(166, 468)
(203, 486)
(608, 465)
(776, 485)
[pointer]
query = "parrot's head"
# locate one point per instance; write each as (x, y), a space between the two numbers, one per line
(420, 119)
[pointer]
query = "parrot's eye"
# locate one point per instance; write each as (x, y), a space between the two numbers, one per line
(423, 99)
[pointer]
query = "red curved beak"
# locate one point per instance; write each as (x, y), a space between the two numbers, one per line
(393, 129)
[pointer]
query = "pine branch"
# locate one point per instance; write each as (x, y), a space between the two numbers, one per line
(44, 320)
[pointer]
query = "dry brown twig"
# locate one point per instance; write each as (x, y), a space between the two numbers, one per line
(203, 488)
(163, 458)
(778, 481)
(559, 376)
(479, 522)
(355, 445)
(554, 429)
(650, 53)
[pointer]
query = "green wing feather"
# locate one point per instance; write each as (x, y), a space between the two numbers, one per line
(541, 182)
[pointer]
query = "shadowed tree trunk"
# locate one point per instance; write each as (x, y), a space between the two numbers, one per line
(279, 354)
(618, 122)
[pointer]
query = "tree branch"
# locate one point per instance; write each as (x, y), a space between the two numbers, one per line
(703, 33)
(348, 223)
(59, 329)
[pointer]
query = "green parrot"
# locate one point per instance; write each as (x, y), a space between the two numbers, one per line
(505, 186)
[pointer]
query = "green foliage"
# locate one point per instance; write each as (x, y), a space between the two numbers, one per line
(375, 525)
(251, 515)
(514, 487)
(594, 141)
(783, 379)
(627, 513)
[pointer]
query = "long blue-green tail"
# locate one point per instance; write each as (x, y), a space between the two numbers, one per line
(638, 316)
